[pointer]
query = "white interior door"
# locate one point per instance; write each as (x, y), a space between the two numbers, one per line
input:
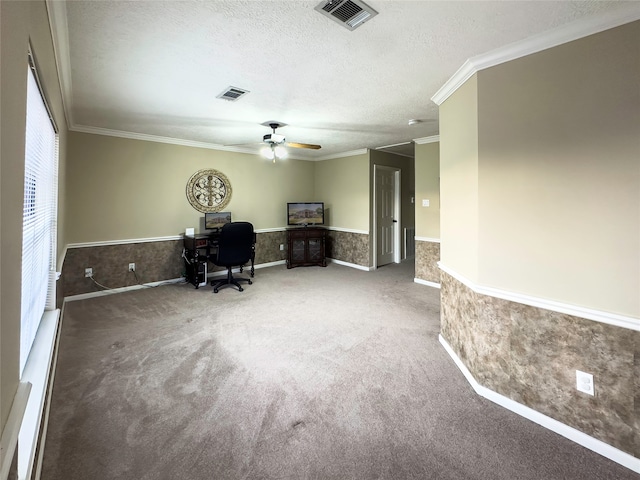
(387, 214)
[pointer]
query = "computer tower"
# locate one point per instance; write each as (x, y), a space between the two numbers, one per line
(196, 272)
(201, 274)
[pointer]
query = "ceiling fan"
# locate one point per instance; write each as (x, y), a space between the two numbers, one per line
(276, 143)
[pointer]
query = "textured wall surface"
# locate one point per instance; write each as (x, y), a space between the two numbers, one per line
(530, 355)
(348, 247)
(155, 261)
(427, 258)
(268, 247)
(158, 261)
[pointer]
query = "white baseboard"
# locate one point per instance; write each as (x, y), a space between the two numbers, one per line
(352, 265)
(111, 291)
(581, 438)
(270, 264)
(426, 282)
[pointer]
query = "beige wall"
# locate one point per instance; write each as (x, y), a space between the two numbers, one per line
(21, 22)
(459, 180)
(559, 173)
(427, 186)
(343, 184)
(555, 190)
(122, 189)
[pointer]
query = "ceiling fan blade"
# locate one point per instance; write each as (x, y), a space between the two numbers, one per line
(303, 145)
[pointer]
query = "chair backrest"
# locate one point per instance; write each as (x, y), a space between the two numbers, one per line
(235, 244)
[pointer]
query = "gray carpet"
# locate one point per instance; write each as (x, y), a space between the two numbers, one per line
(310, 373)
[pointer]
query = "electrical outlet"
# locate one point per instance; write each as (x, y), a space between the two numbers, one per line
(132, 267)
(88, 272)
(584, 382)
(282, 246)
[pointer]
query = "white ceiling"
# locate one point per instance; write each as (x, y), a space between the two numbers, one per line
(155, 67)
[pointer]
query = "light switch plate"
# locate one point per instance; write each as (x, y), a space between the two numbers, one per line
(425, 202)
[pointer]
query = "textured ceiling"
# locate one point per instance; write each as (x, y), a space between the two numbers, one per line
(155, 68)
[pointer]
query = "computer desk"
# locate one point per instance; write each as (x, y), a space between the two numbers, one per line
(197, 249)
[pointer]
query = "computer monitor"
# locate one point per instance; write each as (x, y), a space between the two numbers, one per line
(215, 220)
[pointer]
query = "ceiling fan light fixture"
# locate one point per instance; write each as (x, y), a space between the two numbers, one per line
(268, 153)
(281, 152)
(276, 142)
(274, 152)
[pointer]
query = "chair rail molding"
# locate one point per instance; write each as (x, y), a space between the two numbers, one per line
(614, 319)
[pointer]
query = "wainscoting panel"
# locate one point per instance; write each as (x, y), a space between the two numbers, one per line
(531, 355)
(427, 258)
(155, 261)
(268, 247)
(348, 247)
(161, 260)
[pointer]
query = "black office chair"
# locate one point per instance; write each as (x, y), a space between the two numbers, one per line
(235, 247)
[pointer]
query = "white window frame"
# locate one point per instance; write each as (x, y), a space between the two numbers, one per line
(40, 211)
(39, 364)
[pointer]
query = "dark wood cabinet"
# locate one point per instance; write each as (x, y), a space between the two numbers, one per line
(306, 246)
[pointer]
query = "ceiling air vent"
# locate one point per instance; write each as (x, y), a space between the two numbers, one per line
(232, 94)
(348, 13)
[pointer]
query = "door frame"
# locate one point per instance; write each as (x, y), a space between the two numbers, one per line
(397, 247)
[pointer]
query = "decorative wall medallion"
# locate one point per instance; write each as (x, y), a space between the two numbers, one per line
(208, 190)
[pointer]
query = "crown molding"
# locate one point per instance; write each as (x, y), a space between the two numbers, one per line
(384, 149)
(192, 143)
(57, 13)
(351, 153)
(157, 138)
(423, 140)
(537, 43)
(392, 145)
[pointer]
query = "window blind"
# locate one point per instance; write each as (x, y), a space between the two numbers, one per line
(39, 228)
